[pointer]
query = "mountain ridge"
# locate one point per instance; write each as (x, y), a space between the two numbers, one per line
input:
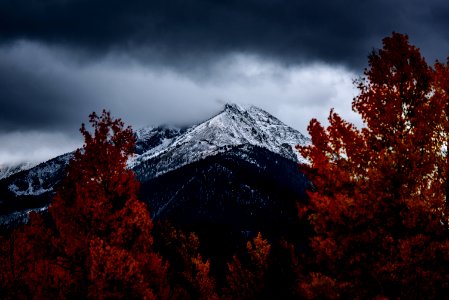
(237, 131)
(233, 126)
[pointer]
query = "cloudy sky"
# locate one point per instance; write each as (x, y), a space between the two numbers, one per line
(153, 62)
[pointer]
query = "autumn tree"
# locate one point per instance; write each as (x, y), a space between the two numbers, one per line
(96, 241)
(378, 209)
(189, 273)
(246, 279)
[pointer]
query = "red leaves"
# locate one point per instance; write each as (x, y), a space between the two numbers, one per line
(115, 272)
(247, 280)
(96, 241)
(379, 206)
(319, 286)
(258, 251)
(203, 280)
(396, 85)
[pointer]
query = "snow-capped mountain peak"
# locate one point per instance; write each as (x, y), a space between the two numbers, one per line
(165, 148)
(235, 125)
(237, 134)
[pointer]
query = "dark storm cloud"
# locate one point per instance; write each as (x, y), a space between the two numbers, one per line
(32, 98)
(44, 88)
(182, 33)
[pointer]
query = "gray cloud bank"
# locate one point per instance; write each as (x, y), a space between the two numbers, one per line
(51, 94)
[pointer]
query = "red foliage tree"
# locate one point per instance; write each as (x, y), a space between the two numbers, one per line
(203, 280)
(189, 275)
(97, 241)
(380, 204)
(247, 280)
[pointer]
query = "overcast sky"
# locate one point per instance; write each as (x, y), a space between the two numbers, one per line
(153, 62)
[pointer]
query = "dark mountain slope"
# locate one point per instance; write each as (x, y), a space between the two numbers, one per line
(246, 188)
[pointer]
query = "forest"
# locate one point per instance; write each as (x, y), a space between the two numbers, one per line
(375, 224)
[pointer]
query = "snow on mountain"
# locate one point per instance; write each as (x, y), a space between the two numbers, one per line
(234, 126)
(38, 180)
(8, 170)
(156, 138)
(165, 148)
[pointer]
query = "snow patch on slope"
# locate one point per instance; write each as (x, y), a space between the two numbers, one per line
(33, 182)
(8, 170)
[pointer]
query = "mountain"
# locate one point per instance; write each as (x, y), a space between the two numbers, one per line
(236, 169)
(29, 190)
(171, 148)
(8, 170)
